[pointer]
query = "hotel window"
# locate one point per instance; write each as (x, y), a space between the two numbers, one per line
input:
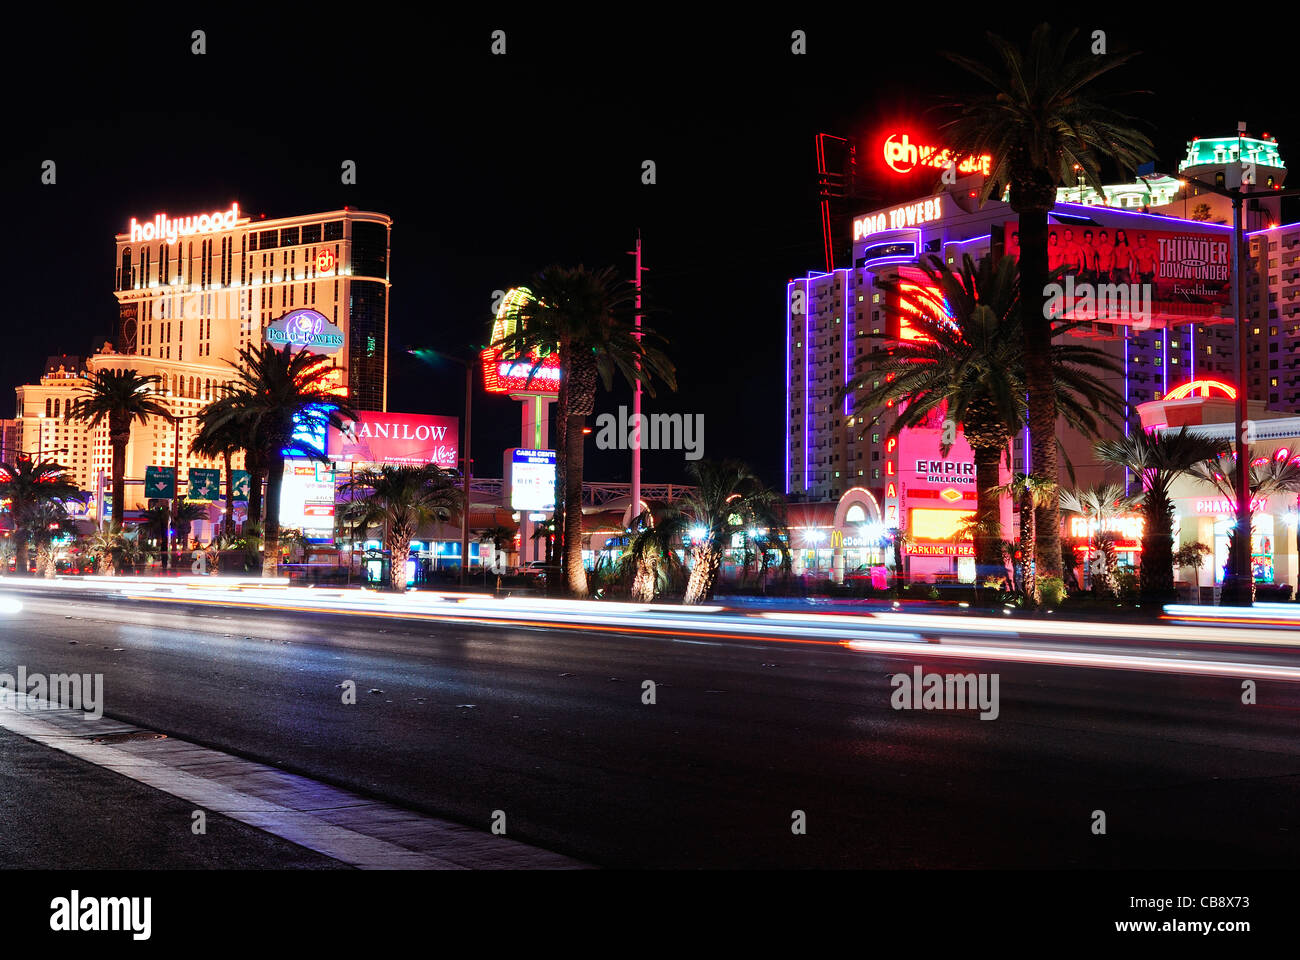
(266, 240)
(289, 236)
(311, 233)
(332, 230)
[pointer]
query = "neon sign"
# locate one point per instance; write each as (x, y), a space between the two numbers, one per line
(164, 227)
(325, 261)
(1204, 386)
(1222, 507)
(908, 215)
(305, 328)
(903, 156)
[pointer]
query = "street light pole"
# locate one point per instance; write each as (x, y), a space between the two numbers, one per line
(469, 476)
(1237, 588)
(468, 473)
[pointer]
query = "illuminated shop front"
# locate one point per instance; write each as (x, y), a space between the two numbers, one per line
(1203, 514)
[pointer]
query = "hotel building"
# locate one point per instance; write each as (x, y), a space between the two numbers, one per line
(191, 293)
(834, 318)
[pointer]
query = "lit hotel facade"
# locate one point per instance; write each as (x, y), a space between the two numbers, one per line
(834, 318)
(191, 293)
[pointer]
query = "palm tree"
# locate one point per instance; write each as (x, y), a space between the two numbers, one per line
(401, 499)
(28, 485)
(47, 520)
(1158, 459)
(1028, 492)
(278, 395)
(967, 364)
(105, 547)
(121, 397)
(1268, 476)
(1043, 124)
(727, 500)
(652, 554)
(584, 317)
(183, 517)
(222, 435)
(500, 537)
(1100, 505)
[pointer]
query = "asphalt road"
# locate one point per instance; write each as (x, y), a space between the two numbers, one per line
(548, 725)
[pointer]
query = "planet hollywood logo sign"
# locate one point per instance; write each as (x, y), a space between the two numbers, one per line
(305, 328)
(163, 227)
(903, 156)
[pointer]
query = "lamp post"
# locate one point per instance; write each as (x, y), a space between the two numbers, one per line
(1237, 588)
(176, 490)
(424, 353)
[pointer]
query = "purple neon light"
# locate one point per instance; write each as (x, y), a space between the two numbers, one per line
(807, 387)
(789, 332)
(846, 338)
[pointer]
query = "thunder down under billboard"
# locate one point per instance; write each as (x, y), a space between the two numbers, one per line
(1176, 272)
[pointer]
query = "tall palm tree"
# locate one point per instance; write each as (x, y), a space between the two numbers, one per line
(1044, 123)
(1158, 459)
(277, 397)
(1100, 505)
(1268, 476)
(220, 435)
(29, 485)
(1028, 493)
(968, 364)
(728, 499)
(584, 317)
(400, 499)
(121, 397)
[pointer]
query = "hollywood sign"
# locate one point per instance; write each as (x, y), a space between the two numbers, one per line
(164, 227)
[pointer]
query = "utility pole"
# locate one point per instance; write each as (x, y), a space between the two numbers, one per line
(469, 476)
(636, 395)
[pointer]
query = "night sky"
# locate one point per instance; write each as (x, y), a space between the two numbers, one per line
(495, 166)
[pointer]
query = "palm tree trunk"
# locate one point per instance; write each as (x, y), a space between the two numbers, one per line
(228, 521)
(255, 477)
(1156, 569)
(643, 582)
(704, 573)
(575, 575)
(271, 529)
(119, 438)
(988, 535)
(1028, 536)
(1039, 381)
(21, 555)
(399, 548)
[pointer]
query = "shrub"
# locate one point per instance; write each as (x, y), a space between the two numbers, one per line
(1052, 590)
(1273, 592)
(1126, 585)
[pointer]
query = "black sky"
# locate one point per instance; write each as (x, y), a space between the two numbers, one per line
(494, 166)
